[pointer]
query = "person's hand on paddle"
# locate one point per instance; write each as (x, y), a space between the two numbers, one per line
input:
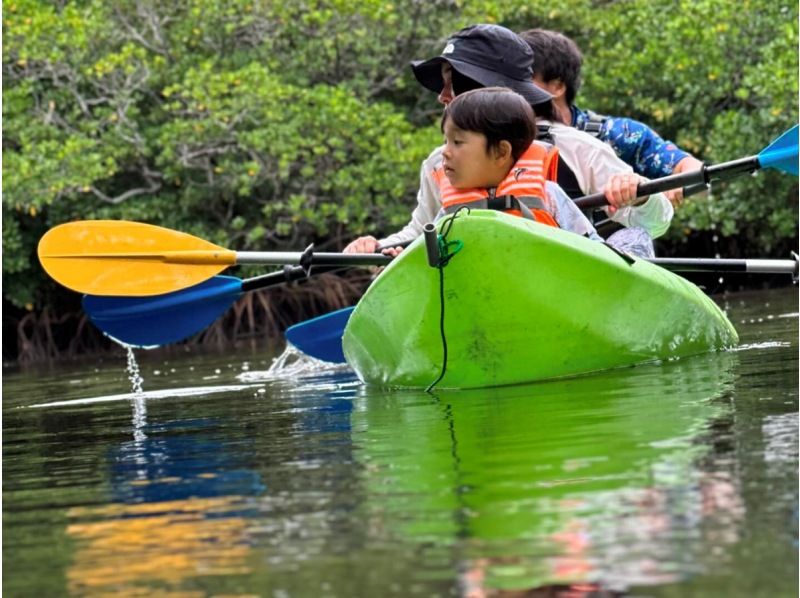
(620, 191)
(369, 244)
(688, 164)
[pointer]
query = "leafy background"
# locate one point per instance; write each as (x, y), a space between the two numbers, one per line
(264, 125)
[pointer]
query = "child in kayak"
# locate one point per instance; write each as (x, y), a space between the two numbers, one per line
(491, 160)
(490, 55)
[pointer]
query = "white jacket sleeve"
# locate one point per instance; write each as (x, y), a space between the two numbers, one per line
(594, 163)
(654, 215)
(429, 203)
(567, 214)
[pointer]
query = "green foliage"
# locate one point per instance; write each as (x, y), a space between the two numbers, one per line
(718, 78)
(202, 117)
(269, 125)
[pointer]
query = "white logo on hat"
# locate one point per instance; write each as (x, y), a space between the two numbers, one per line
(449, 49)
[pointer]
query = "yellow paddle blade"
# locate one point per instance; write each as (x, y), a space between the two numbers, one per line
(120, 258)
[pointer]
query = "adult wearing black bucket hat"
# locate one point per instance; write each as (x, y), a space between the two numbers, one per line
(477, 56)
(482, 56)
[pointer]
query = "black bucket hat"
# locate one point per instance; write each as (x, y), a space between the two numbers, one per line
(488, 54)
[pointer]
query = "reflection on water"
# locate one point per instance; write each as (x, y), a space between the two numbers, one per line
(180, 508)
(588, 480)
(674, 479)
(167, 542)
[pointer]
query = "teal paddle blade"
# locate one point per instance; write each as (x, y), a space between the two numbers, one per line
(782, 153)
(163, 319)
(321, 337)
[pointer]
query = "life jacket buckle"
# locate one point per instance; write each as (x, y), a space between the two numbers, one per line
(504, 202)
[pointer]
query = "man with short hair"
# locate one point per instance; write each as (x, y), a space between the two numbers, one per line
(558, 70)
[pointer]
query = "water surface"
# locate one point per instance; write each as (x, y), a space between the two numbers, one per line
(675, 479)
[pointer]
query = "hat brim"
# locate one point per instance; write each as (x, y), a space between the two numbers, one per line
(429, 75)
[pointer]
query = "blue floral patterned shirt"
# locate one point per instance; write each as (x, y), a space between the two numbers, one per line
(634, 142)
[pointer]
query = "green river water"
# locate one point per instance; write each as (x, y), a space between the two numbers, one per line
(225, 479)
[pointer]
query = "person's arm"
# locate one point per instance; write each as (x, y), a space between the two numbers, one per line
(654, 215)
(426, 210)
(648, 153)
(641, 147)
(688, 164)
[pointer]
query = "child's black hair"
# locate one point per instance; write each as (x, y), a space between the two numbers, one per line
(496, 112)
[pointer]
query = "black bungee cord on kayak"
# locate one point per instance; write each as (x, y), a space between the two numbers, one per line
(440, 252)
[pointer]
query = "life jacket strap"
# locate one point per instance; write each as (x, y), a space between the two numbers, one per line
(503, 203)
(544, 134)
(478, 204)
(524, 204)
(593, 123)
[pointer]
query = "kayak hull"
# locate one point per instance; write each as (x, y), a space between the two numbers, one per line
(523, 302)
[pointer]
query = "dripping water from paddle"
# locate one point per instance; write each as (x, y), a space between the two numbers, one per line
(138, 401)
(134, 373)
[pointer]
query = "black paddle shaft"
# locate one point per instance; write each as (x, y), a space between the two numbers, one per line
(288, 274)
(310, 267)
(695, 181)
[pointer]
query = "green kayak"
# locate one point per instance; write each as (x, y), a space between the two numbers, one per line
(523, 302)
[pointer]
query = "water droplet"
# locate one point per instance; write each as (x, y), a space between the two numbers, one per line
(133, 374)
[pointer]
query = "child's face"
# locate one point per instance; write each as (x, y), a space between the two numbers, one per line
(467, 163)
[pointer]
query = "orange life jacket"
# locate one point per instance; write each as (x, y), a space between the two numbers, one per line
(521, 193)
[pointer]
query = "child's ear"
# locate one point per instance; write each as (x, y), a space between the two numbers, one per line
(503, 150)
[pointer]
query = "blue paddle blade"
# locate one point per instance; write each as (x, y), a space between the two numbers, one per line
(321, 337)
(782, 153)
(163, 319)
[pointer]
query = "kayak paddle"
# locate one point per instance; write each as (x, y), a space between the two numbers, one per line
(321, 337)
(781, 154)
(162, 319)
(134, 259)
(172, 317)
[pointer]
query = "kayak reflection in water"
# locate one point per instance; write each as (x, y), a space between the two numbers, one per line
(583, 487)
